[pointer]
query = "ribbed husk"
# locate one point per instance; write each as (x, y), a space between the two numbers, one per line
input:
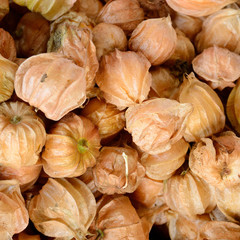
(71, 147)
(7, 45)
(4, 8)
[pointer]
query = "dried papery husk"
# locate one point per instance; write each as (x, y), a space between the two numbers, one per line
(7, 74)
(217, 65)
(13, 214)
(157, 124)
(32, 34)
(163, 165)
(221, 29)
(126, 14)
(25, 236)
(22, 135)
(208, 116)
(107, 37)
(217, 215)
(124, 78)
(7, 45)
(106, 117)
(198, 8)
(151, 4)
(63, 208)
(4, 8)
(117, 170)
(50, 11)
(61, 89)
(5, 235)
(71, 147)
(189, 195)
(217, 160)
(155, 38)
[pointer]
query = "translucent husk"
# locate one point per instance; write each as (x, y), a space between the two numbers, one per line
(208, 116)
(155, 38)
(71, 147)
(63, 208)
(7, 45)
(157, 124)
(4, 8)
(217, 65)
(22, 135)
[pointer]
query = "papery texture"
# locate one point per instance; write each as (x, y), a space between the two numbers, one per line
(7, 45)
(25, 236)
(4, 8)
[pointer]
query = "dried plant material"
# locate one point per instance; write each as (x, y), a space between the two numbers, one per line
(71, 147)
(157, 124)
(106, 117)
(22, 135)
(32, 34)
(208, 116)
(155, 38)
(189, 195)
(4, 8)
(151, 4)
(221, 29)
(198, 8)
(61, 89)
(217, 215)
(7, 45)
(107, 37)
(7, 74)
(118, 170)
(126, 14)
(163, 165)
(49, 11)
(63, 208)
(124, 78)
(25, 236)
(217, 160)
(13, 214)
(219, 66)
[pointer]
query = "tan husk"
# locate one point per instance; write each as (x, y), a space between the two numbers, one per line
(155, 38)
(61, 89)
(7, 45)
(124, 78)
(4, 8)
(157, 124)
(22, 135)
(71, 147)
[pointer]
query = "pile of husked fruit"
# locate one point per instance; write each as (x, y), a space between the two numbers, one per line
(119, 119)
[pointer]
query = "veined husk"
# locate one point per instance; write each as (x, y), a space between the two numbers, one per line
(22, 135)
(189, 195)
(221, 29)
(63, 208)
(163, 165)
(126, 14)
(198, 8)
(208, 116)
(217, 65)
(32, 34)
(117, 170)
(155, 38)
(124, 78)
(71, 147)
(50, 11)
(7, 45)
(157, 124)
(13, 214)
(7, 74)
(217, 160)
(61, 89)
(4, 8)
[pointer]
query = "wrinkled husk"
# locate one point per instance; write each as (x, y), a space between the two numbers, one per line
(118, 170)
(157, 124)
(217, 215)
(71, 147)
(219, 66)
(61, 89)
(22, 135)
(32, 34)
(162, 166)
(115, 36)
(7, 74)
(126, 14)
(4, 8)
(50, 11)
(7, 45)
(189, 195)
(221, 29)
(217, 161)
(208, 116)
(63, 208)
(124, 78)
(155, 38)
